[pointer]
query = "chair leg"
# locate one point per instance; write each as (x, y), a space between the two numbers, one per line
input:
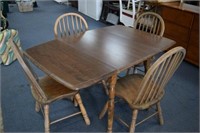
(37, 106)
(104, 110)
(160, 114)
(135, 70)
(105, 86)
(82, 108)
(128, 70)
(134, 117)
(46, 118)
(75, 103)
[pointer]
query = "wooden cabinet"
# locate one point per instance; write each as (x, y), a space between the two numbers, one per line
(193, 45)
(182, 25)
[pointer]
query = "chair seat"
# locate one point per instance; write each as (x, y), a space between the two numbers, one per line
(128, 87)
(128, 12)
(54, 90)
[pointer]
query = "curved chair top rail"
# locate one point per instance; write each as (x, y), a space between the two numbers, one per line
(69, 24)
(150, 22)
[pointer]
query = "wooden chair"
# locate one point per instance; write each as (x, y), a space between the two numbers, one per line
(4, 22)
(144, 91)
(152, 23)
(69, 24)
(46, 90)
(129, 12)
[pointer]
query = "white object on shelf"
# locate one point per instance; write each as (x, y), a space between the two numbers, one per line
(61, 1)
(91, 8)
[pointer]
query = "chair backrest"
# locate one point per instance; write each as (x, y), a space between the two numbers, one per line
(69, 24)
(128, 13)
(3, 21)
(6, 54)
(150, 22)
(156, 78)
(31, 76)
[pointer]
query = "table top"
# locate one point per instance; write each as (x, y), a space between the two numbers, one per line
(84, 59)
(119, 46)
(67, 65)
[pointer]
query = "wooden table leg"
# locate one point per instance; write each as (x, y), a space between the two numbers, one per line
(111, 102)
(147, 64)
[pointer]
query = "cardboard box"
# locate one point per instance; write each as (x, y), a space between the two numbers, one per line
(25, 6)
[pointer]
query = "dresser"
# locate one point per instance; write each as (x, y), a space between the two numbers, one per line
(182, 25)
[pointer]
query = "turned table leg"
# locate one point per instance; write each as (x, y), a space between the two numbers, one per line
(111, 102)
